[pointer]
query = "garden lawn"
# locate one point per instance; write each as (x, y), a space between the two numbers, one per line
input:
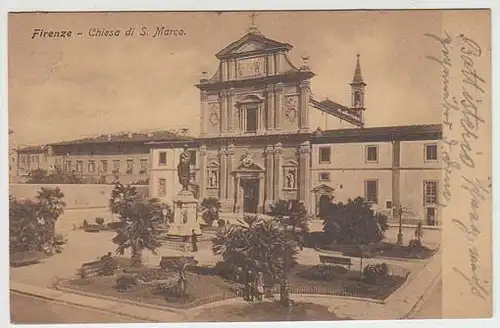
(335, 280)
(382, 250)
(266, 311)
(200, 290)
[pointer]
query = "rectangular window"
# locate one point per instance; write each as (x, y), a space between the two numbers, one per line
(324, 155)
(192, 157)
(431, 152)
(324, 176)
(430, 192)
(430, 215)
(144, 165)
(162, 160)
(91, 166)
(372, 153)
(104, 166)
(371, 191)
(79, 166)
(116, 165)
(162, 187)
(130, 166)
(251, 119)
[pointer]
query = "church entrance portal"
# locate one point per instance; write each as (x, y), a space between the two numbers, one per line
(250, 195)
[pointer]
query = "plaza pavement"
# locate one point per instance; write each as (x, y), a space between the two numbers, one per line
(83, 247)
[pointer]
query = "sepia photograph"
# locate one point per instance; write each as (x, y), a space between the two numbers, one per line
(249, 166)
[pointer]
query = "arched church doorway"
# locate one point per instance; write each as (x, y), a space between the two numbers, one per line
(324, 202)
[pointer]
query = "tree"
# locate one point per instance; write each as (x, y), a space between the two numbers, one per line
(210, 207)
(292, 216)
(180, 266)
(259, 245)
(38, 176)
(140, 217)
(32, 223)
(354, 223)
(51, 207)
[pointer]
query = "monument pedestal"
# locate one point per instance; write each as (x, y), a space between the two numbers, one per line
(185, 217)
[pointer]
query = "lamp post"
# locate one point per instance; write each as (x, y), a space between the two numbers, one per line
(398, 210)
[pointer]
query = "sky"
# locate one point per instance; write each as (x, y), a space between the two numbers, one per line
(62, 89)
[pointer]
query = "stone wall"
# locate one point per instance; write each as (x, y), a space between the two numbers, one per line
(76, 196)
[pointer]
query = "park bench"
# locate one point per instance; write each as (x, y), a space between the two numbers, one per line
(91, 269)
(327, 259)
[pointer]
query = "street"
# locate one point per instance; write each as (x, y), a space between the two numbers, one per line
(432, 307)
(31, 310)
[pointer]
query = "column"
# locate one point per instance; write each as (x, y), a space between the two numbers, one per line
(231, 69)
(278, 175)
(230, 177)
(230, 110)
(277, 62)
(203, 170)
(269, 152)
(278, 110)
(270, 107)
(396, 150)
(260, 207)
(304, 155)
(222, 174)
(260, 119)
(203, 112)
(223, 111)
(270, 64)
(304, 105)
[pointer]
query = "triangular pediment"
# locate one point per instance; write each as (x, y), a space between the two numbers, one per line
(250, 167)
(252, 42)
(322, 189)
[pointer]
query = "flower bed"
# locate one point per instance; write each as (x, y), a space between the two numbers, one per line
(386, 250)
(200, 289)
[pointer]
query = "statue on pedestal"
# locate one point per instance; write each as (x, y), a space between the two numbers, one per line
(184, 169)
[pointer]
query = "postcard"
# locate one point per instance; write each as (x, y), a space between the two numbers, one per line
(249, 166)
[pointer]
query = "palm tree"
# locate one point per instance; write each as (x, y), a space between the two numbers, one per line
(292, 216)
(140, 219)
(180, 266)
(258, 244)
(51, 207)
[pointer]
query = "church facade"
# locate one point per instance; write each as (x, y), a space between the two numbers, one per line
(257, 115)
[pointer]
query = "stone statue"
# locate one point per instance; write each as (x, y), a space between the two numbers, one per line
(184, 170)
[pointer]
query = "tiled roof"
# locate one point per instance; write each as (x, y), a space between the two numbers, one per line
(384, 133)
(31, 149)
(128, 137)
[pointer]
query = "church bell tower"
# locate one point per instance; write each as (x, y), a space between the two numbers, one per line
(358, 87)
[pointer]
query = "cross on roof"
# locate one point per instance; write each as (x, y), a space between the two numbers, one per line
(253, 28)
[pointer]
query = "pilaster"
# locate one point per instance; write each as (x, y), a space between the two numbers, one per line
(277, 175)
(269, 195)
(396, 151)
(223, 174)
(230, 178)
(270, 107)
(304, 105)
(203, 170)
(278, 96)
(203, 112)
(223, 111)
(230, 110)
(304, 172)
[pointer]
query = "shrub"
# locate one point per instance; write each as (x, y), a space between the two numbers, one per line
(210, 207)
(99, 221)
(85, 223)
(115, 225)
(109, 266)
(124, 282)
(323, 272)
(415, 244)
(25, 258)
(221, 223)
(375, 273)
(354, 223)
